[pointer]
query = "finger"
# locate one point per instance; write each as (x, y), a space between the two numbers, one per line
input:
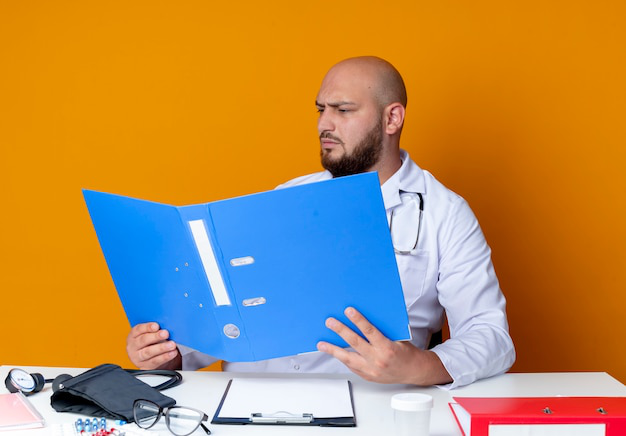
(353, 361)
(148, 347)
(145, 334)
(148, 339)
(140, 329)
(373, 335)
(347, 334)
(160, 352)
(156, 358)
(349, 358)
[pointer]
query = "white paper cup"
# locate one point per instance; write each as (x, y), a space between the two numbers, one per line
(411, 414)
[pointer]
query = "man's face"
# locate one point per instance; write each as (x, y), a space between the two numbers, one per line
(349, 124)
(363, 157)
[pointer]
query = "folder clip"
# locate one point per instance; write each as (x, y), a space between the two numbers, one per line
(282, 418)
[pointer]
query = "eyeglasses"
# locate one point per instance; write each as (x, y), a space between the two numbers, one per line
(181, 421)
(412, 207)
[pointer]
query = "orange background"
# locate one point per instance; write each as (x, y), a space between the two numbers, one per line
(518, 106)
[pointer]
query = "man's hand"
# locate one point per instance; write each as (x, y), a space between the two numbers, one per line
(148, 348)
(380, 360)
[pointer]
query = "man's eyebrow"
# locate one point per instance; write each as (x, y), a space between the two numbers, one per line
(335, 104)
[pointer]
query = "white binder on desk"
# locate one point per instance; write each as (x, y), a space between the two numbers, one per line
(255, 277)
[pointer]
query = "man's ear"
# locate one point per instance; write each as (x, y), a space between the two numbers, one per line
(394, 118)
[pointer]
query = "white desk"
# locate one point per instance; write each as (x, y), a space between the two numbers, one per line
(203, 390)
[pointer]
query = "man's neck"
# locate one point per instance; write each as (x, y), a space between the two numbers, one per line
(388, 165)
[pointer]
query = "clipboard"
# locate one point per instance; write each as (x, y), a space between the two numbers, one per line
(255, 277)
(278, 401)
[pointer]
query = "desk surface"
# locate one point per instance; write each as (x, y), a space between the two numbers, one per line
(203, 390)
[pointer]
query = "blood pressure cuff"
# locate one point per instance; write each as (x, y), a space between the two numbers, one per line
(108, 391)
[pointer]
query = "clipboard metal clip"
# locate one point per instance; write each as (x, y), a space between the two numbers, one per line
(281, 417)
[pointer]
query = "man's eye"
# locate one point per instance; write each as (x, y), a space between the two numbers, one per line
(320, 110)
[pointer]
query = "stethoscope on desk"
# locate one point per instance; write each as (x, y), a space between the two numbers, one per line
(412, 207)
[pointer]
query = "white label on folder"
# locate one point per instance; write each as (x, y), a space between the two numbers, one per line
(547, 429)
(207, 256)
(241, 261)
(256, 301)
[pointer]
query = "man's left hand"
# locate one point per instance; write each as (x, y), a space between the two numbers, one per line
(381, 360)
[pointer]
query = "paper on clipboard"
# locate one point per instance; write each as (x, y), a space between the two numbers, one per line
(322, 398)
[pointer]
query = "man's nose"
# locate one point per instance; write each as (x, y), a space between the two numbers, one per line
(325, 122)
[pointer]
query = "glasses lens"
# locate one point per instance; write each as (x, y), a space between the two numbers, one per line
(183, 421)
(146, 413)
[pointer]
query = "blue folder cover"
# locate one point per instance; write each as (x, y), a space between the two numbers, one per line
(255, 277)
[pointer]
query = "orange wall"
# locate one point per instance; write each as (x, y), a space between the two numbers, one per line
(519, 106)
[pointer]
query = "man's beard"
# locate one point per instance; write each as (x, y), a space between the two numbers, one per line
(361, 159)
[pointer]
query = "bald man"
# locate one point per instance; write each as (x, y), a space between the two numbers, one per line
(443, 259)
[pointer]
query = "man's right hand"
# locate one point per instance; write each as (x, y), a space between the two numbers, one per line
(148, 347)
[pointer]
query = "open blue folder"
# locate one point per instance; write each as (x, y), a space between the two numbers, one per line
(255, 277)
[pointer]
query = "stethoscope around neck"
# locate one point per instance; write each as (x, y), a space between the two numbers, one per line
(412, 205)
